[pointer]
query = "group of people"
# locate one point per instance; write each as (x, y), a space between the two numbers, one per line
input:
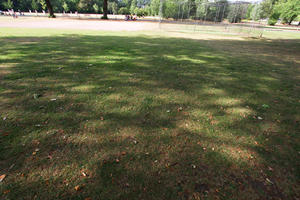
(14, 14)
(130, 17)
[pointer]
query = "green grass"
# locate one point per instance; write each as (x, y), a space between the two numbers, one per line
(148, 116)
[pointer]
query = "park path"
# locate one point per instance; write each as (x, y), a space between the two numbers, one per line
(59, 23)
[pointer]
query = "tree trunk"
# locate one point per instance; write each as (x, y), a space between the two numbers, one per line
(50, 9)
(104, 10)
(292, 19)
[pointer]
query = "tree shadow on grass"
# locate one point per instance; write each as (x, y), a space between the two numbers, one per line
(148, 118)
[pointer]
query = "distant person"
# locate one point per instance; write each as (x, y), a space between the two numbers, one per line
(126, 17)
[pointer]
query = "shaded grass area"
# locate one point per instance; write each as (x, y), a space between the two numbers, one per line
(130, 116)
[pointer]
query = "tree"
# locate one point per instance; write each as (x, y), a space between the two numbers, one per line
(50, 9)
(235, 13)
(8, 5)
(133, 6)
(249, 11)
(34, 5)
(286, 10)
(112, 7)
(266, 8)
(154, 5)
(66, 7)
(96, 8)
(104, 10)
(124, 11)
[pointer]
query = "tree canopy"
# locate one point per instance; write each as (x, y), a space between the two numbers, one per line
(217, 10)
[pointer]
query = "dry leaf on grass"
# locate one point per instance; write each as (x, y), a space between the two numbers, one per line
(78, 187)
(2, 177)
(6, 191)
(84, 173)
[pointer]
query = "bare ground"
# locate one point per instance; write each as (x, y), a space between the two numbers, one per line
(110, 25)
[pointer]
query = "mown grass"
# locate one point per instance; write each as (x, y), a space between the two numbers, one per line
(135, 116)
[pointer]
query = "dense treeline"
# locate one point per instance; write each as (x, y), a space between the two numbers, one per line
(286, 10)
(273, 10)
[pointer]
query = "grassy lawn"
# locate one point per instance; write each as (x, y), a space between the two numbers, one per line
(122, 115)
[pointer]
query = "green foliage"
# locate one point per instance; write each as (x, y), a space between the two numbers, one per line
(235, 14)
(266, 8)
(113, 7)
(154, 6)
(255, 13)
(133, 6)
(8, 4)
(249, 11)
(171, 9)
(66, 7)
(96, 8)
(273, 18)
(124, 11)
(43, 4)
(34, 5)
(86, 6)
(288, 10)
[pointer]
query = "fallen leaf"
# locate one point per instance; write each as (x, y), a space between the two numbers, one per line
(2, 177)
(35, 96)
(11, 166)
(84, 173)
(268, 180)
(270, 168)
(5, 134)
(213, 122)
(77, 187)
(6, 191)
